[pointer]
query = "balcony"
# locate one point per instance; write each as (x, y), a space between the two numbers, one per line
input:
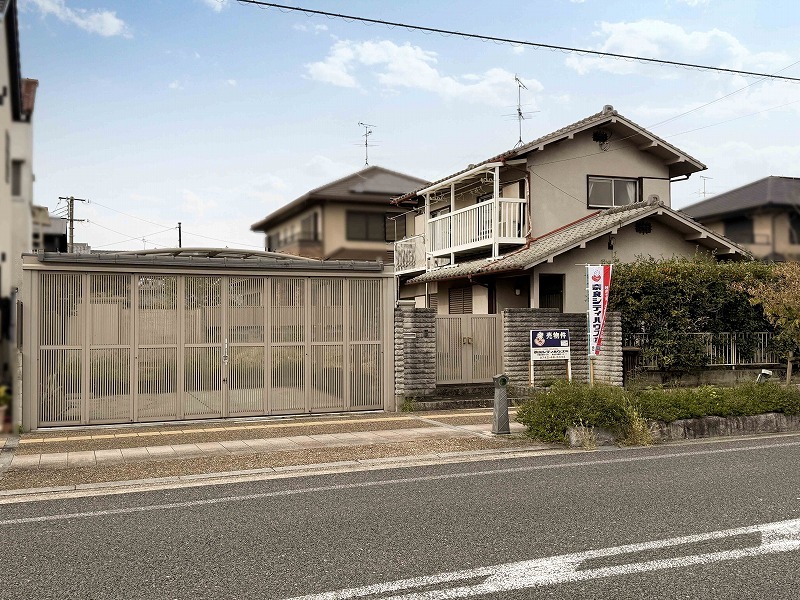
(409, 255)
(475, 227)
(465, 230)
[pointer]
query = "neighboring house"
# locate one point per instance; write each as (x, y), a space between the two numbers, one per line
(49, 233)
(516, 230)
(343, 220)
(762, 216)
(17, 96)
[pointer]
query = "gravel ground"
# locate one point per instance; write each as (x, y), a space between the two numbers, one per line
(143, 470)
(191, 436)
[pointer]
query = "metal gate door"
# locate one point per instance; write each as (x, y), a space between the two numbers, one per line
(468, 348)
(131, 347)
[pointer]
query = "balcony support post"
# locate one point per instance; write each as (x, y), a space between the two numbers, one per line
(496, 214)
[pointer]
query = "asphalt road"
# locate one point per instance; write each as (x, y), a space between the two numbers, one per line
(487, 530)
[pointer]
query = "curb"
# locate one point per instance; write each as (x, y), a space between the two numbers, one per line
(220, 478)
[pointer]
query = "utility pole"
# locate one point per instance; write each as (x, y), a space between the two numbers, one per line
(71, 216)
(179, 234)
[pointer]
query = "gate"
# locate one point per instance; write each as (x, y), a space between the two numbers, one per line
(468, 348)
(115, 347)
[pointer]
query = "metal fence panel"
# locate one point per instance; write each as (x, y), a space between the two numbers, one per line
(120, 347)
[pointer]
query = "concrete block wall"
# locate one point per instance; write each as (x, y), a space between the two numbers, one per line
(414, 352)
(608, 366)
(517, 325)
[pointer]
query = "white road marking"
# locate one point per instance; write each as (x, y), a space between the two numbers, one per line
(782, 536)
(381, 483)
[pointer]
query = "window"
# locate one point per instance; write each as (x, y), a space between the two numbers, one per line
(16, 177)
(433, 301)
(309, 230)
(794, 228)
(374, 227)
(739, 230)
(606, 192)
(369, 227)
(459, 301)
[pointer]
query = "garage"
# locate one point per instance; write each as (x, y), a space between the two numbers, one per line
(188, 334)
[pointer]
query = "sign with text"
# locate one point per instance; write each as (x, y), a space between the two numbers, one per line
(550, 344)
(598, 282)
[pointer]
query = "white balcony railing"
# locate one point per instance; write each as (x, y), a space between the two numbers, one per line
(475, 226)
(409, 255)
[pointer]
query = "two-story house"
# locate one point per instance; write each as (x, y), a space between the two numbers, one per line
(347, 219)
(17, 97)
(516, 230)
(762, 216)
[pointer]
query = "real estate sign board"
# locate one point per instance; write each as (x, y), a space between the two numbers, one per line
(550, 344)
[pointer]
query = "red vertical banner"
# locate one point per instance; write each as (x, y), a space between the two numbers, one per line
(598, 283)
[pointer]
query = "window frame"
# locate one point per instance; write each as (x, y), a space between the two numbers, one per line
(612, 178)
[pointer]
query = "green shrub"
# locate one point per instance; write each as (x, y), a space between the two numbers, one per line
(744, 399)
(548, 414)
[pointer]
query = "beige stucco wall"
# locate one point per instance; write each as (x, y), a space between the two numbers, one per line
(770, 234)
(566, 166)
(7, 221)
(22, 205)
(628, 246)
(334, 228)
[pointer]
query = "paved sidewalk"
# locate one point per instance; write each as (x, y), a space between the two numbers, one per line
(92, 458)
(295, 440)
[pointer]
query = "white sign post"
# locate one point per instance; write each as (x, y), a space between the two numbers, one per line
(550, 344)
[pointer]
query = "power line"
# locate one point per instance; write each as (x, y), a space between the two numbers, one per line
(128, 238)
(513, 42)
(128, 215)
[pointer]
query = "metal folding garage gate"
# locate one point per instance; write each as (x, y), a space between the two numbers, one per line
(112, 347)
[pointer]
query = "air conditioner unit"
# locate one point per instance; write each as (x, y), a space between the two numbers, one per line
(653, 198)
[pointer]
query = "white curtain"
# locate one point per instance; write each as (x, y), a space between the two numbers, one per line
(630, 187)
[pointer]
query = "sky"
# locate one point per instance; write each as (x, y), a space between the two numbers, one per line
(214, 113)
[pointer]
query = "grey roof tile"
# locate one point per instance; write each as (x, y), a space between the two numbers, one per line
(564, 239)
(769, 191)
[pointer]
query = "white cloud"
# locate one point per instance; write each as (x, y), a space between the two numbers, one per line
(407, 66)
(659, 39)
(217, 5)
(102, 22)
(196, 206)
(310, 28)
(231, 82)
(175, 85)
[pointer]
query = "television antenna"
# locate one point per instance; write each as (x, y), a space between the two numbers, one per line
(704, 193)
(521, 115)
(367, 132)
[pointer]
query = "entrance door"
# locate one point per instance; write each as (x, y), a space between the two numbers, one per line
(467, 348)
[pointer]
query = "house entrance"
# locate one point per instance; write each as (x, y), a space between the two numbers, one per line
(468, 348)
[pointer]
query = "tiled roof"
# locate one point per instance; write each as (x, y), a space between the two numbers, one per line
(769, 191)
(564, 239)
(372, 184)
(604, 116)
